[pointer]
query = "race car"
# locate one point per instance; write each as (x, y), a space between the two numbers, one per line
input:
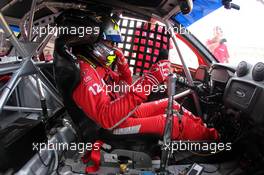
(44, 131)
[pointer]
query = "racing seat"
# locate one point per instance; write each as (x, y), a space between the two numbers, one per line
(67, 77)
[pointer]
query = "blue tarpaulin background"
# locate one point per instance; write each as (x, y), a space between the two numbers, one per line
(201, 8)
(13, 28)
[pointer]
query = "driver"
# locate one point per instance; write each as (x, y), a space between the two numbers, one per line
(126, 113)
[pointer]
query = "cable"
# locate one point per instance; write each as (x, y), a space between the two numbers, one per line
(62, 163)
(56, 164)
(59, 162)
(41, 160)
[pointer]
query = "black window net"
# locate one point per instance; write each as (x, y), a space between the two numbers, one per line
(142, 43)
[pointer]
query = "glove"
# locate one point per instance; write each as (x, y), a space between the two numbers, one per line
(156, 75)
(121, 60)
(158, 72)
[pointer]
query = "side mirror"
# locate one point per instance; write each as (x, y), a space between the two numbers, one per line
(186, 6)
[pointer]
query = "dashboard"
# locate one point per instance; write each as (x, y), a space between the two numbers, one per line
(221, 73)
(243, 87)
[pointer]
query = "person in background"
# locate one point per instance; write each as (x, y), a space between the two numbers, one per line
(217, 46)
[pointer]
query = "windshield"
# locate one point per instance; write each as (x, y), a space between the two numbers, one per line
(233, 35)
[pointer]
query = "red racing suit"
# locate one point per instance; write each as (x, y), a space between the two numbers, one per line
(127, 114)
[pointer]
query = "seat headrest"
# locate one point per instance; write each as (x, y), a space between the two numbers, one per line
(67, 73)
(67, 77)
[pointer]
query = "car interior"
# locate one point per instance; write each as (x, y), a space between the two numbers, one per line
(37, 110)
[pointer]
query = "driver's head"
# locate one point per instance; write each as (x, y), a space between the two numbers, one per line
(98, 45)
(218, 32)
(104, 49)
